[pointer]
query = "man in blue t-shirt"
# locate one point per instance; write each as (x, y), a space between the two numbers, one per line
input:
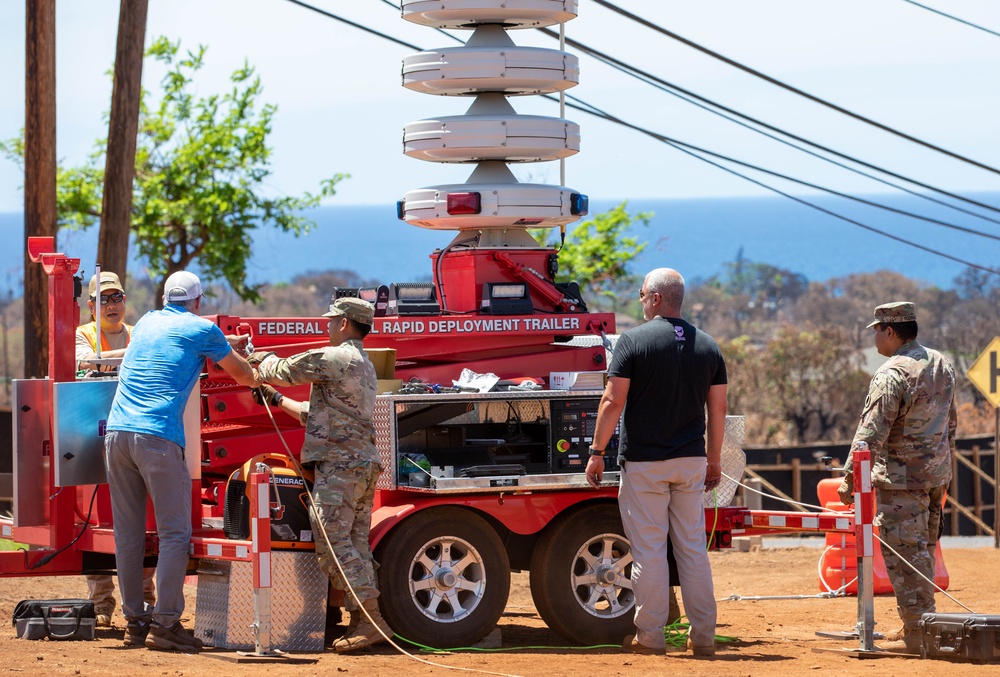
(144, 454)
(666, 374)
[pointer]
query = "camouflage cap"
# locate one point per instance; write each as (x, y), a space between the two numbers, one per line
(108, 281)
(897, 311)
(353, 309)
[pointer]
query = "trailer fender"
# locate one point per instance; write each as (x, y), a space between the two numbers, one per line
(524, 513)
(386, 517)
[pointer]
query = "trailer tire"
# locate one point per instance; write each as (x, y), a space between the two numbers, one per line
(444, 577)
(581, 577)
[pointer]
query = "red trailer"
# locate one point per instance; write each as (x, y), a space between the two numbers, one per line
(474, 485)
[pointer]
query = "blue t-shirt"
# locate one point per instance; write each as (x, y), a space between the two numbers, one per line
(160, 368)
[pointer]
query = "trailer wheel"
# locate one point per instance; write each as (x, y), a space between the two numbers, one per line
(444, 577)
(581, 577)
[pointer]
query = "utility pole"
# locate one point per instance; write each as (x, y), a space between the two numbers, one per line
(119, 169)
(39, 173)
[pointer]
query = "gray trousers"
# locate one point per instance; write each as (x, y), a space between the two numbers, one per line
(657, 499)
(138, 466)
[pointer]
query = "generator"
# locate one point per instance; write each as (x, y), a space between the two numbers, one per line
(290, 525)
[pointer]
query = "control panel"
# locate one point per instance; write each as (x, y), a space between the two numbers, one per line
(573, 423)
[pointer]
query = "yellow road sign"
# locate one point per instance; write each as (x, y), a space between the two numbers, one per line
(985, 372)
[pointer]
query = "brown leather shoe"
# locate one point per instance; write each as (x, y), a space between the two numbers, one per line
(701, 651)
(174, 638)
(136, 633)
(632, 645)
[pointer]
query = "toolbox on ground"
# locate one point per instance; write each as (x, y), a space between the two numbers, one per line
(967, 637)
(55, 619)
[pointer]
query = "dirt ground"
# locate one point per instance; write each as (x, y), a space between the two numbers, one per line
(773, 636)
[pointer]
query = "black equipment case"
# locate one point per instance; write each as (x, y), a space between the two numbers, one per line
(966, 637)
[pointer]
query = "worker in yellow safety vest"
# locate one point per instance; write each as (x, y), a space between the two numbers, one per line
(115, 335)
(114, 332)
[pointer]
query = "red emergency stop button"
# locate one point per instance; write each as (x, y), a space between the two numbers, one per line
(562, 446)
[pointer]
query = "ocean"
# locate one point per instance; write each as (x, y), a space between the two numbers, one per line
(698, 237)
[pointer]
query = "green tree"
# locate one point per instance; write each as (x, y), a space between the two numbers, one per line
(201, 165)
(814, 381)
(597, 253)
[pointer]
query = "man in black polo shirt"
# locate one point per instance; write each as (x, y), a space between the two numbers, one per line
(665, 374)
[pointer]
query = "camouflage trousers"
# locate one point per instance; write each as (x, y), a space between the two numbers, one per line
(344, 504)
(910, 522)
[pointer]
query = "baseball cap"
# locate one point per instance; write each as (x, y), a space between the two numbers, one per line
(353, 309)
(181, 286)
(108, 281)
(897, 311)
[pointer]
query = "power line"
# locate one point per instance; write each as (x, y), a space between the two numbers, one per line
(354, 24)
(953, 18)
(668, 87)
(694, 153)
(686, 148)
(680, 92)
(790, 88)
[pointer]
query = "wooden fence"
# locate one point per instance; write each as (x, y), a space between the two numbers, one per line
(793, 473)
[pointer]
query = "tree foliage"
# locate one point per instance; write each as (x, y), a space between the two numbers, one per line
(597, 252)
(200, 171)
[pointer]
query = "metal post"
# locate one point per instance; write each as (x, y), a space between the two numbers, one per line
(260, 533)
(864, 545)
(260, 552)
(753, 498)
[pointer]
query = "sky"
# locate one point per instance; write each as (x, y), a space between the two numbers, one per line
(341, 107)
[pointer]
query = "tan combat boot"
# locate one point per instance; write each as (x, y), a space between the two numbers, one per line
(906, 639)
(354, 620)
(367, 632)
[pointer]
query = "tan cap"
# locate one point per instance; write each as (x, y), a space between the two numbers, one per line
(897, 311)
(108, 281)
(353, 309)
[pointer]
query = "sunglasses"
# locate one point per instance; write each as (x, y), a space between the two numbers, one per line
(117, 297)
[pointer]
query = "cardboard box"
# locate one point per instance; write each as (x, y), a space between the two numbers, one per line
(384, 360)
(577, 380)
(389, 385)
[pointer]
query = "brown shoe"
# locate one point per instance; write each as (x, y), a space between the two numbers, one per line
(367, 632)
(102, 621)
(174, 638)
(701, 651)
(632, 645)
(136, 633)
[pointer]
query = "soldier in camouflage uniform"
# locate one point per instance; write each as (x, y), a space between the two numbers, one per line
(340, 447)
(909, 422)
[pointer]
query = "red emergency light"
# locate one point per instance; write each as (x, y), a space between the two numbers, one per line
(464, 203)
